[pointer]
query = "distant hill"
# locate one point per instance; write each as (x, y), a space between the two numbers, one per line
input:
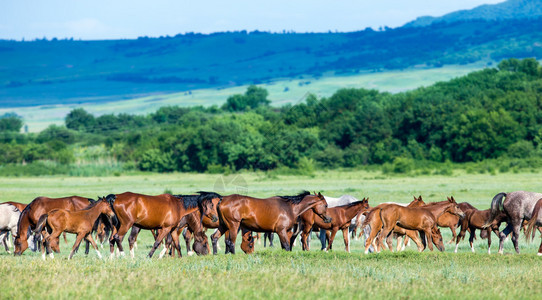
(49, 72)
(511, 9)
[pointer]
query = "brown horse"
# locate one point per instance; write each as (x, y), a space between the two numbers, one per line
(536, 220)
(38, 207)
(476, 219)
(79, 222)
(276, 214)
(20, 206)
(423, 219)
(162, 212)
(375, 223)
(341, 217)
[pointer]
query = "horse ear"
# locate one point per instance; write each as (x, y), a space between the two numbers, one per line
(453, 199)
(415, 198)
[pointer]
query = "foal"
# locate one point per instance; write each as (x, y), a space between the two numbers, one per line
(423, 219)
(341, 217)
(78, 222)
(476, 219)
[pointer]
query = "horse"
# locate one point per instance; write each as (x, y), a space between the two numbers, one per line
(341, 218)
(79, 222)
(517, 206)
(9, 217)
(334, 202)
(162, 212)
(476, 219)
(536, 220)
(38, 207)
(423, 219)
(452, 221)
(375, 223)
(276, 214)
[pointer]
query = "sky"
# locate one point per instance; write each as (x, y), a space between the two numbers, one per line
(122, 19)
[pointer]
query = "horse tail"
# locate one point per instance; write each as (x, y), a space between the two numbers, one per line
(41, 223)
(496, 206)
(369, 217)
(529, 232)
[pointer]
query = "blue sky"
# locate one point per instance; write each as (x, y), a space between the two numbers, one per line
(114, 19)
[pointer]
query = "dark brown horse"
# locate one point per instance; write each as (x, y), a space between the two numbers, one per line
(162, 212)
(38, 207)
(476, 219)
(80, 222)
(276, 214)
(341, 217)
(423, 219)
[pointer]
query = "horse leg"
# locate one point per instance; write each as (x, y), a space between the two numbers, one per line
(540, 248)
(502, 236)
(65, 239)
(515, 234)
(132, 238)
(454, 235)
(304, 238)
(370, 239)
(232, 237)
(78, 240)
(117, 239)
(90, 240)
(389, 242)
(331, 237)
(323, 239)
(413, 235)
(460, 237)
(400, 239)
(429, 238)
(176, 243)
(187, 235)
(471, 238)
(346, 237)
(159, 237)
(488, 240)
(216, 235)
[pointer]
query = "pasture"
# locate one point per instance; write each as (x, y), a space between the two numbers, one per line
(281, 92)
(272, 273)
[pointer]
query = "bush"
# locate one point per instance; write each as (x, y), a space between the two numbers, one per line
(521, 149)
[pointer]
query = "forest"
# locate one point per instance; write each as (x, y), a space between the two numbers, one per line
(485, 115)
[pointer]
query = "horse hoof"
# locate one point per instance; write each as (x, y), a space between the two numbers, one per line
(190, 253)
(539, 254)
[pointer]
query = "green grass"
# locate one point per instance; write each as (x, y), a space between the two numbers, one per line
(272, 273)
(39, 117)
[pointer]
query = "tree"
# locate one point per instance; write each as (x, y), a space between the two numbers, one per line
(80, 120)
(11, 122)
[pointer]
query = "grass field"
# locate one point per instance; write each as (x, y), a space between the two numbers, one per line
(272, 273)
(280, 92)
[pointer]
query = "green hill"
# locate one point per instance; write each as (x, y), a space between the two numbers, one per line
(73, 72)
(511, 9)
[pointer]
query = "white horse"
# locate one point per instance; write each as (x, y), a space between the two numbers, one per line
(9, 218)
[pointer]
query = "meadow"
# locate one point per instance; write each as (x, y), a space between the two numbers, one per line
(281, 91)
(272, 273)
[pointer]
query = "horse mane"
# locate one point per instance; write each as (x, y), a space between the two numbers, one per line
(297, 198)
(189, 201)
(92, 204)
(352, 204)
(209, 195)
(436, 203)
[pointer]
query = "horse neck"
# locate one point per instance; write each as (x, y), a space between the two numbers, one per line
(93, 213)
(438, 209)
(304, 205)
(353, 210)
(194, 222)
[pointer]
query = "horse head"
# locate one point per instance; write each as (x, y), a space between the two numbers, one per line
(437, 238)
(321, 207)
(209, 202)
(454, 208)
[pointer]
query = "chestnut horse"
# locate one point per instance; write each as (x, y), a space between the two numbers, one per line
(276, 214)
(423, 219)
(341, 217)
(162, 212)
(80, 222)
(453, 221)
(38, 207)
(373, 220)
(476, 219)
(536, 220)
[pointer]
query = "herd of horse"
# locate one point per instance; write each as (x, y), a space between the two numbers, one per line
(40, 224)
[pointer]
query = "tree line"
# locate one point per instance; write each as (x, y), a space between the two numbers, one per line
(486, 114)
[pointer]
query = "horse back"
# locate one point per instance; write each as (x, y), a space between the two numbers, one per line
(520, 203)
